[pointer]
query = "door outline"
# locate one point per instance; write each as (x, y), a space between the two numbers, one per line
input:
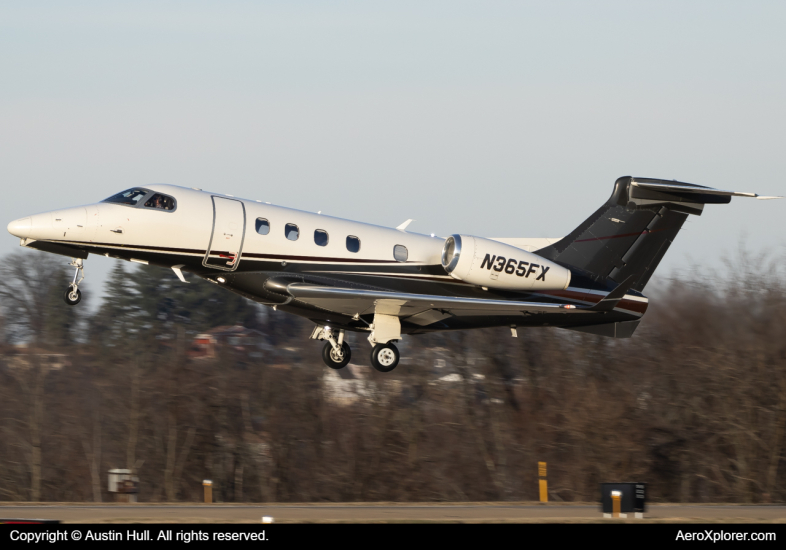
(213, 233)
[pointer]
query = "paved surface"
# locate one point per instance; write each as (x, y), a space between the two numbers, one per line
(382, 512)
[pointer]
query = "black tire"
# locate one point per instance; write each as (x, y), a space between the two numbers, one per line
(382, 359)
(328, 356)
(72, 301)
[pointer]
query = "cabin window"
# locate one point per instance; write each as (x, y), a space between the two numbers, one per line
(353, 244)
(263, 226)
(400, 253)
(130, 197)
(321, 237)
(161, 202)
(291, 231)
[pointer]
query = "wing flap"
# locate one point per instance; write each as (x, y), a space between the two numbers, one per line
(428, 317)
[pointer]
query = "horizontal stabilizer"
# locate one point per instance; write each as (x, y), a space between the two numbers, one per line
(682, 188)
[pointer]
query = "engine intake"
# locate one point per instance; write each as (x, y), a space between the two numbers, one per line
(493, 264)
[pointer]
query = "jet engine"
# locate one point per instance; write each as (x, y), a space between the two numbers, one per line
(493, 264)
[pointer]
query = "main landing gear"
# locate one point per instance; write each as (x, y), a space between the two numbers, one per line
(384, 357)
(336, 353)
(336, 358)
(73, 295)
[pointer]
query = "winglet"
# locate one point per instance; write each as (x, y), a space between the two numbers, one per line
(403, 226)
(610, 301)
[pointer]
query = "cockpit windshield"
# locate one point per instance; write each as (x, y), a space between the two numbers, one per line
(135, 198)
(130, 197)
(160, 201)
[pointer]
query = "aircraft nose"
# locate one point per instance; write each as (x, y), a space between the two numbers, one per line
(21, 227)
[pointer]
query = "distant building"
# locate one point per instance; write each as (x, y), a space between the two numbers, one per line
(352, 385)
(346, 386)
(245, 341)
(24, 357)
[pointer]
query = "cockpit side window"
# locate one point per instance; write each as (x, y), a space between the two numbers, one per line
(162, 202)
(131, 197)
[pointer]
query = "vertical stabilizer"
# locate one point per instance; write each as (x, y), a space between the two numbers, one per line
(629, 235)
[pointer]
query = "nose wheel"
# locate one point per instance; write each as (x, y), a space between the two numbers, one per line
(384, 357)
(73, 295)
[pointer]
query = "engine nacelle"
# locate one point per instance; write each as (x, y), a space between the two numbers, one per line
(492, 264)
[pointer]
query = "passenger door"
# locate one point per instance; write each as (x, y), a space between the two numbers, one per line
(226, 241)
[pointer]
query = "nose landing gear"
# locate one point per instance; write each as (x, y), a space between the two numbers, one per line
(73, 295)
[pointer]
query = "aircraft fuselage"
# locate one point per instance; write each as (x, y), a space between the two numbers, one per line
(256, 249)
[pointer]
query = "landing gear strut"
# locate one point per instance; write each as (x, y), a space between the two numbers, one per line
(73, 295)
(336, 353)
(384, 357)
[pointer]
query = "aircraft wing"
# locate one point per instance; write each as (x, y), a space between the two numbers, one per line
(420, 309)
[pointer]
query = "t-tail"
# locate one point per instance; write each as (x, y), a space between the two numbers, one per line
(626, 238)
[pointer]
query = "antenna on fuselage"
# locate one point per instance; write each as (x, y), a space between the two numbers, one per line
(403, 226)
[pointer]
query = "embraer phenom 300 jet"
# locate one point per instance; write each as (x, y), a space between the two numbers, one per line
(346, 275)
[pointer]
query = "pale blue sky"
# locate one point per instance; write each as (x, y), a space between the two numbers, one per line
(488, 118)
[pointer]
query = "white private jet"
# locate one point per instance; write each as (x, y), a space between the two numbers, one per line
(346, 275)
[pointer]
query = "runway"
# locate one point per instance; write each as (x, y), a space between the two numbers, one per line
(527, 512)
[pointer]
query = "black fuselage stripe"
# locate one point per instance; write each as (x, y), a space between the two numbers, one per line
(244, 255)
(316, 259)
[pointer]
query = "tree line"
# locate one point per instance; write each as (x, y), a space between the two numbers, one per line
(694, 404)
